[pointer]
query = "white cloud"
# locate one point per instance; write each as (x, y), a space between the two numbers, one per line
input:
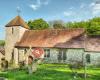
(82, 5)
(39, 3)
(46, 2)
(34, 7)
(67, 13)
(96, 9)
(71, 8)
(92, 4)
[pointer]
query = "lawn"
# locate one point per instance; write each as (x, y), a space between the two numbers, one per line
(50, 72)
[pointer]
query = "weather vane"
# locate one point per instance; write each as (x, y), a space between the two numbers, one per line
(18, 10)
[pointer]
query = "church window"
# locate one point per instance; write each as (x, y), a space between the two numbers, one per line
(47, 53)
(88, 60)
(62, 55)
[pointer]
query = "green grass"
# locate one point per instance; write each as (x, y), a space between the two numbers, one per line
(50, 72)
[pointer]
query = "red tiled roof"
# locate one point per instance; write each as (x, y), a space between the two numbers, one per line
(76, 42)
(17, 21)
(49, 38)
(93, 44)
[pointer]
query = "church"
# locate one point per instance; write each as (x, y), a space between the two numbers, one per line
(59, 45)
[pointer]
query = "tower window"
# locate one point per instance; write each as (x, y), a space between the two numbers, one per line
(12, 30)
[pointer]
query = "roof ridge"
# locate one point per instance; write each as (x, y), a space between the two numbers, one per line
(59, 29)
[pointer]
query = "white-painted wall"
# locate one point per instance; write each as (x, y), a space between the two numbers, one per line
(53, 55)
(11, 38)
(94, 57)
(71, 54)
(74, 54)
(21, 32)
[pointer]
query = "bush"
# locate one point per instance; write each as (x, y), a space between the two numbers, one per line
(2, 42)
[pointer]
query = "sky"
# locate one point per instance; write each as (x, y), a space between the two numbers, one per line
(66, 10)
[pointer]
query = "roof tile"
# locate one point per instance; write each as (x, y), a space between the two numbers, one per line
(17, 21)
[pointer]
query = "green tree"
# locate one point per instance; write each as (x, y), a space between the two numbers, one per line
(2, 42)
(91, 26)
(38, 24)
(69, 25)
(58, 26)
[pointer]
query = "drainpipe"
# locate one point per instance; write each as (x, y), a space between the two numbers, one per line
(84, 58)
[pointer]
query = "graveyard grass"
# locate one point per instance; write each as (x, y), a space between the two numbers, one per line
(50, 72)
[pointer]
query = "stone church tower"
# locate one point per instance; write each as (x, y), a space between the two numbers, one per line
(14, 31)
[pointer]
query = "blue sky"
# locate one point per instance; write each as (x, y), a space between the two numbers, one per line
(67, 10)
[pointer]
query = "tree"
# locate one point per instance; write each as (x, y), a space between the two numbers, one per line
(57, 24)
(69, 25)
(94, 26)
(38, 24)
(91, 26)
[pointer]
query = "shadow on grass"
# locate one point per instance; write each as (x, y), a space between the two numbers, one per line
(39, 75)
(46, 72)
(95, 77)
